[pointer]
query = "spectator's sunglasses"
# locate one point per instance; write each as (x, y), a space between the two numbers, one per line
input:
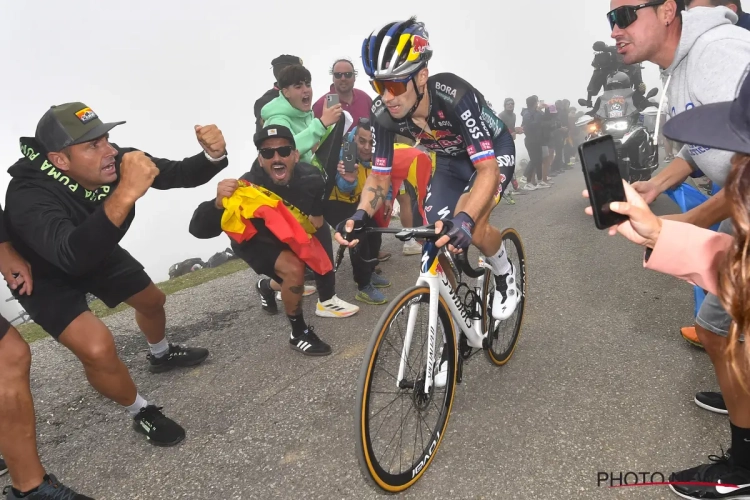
(624, 16)
(268, 153)
(338, 75)
(395, 87)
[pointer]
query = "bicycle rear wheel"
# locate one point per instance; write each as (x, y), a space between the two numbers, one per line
(399, 428)
(503, 335)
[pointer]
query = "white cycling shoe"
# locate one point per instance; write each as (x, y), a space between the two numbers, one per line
(506, 297)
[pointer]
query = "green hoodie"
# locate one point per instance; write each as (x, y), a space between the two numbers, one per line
(307, 130)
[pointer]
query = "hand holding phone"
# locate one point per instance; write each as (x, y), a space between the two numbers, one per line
(349, 157)
(603, 180)
(332, 100)
(643, 227)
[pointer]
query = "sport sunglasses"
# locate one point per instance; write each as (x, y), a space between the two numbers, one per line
(624, 16)
(395, 87)
(269, 153)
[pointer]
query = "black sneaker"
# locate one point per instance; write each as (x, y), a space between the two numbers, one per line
(711, 401)
(50, 489)
(158, 429)
(309, 344)
(178, 356)
(3, 467)
(267, 298)
(718, 480)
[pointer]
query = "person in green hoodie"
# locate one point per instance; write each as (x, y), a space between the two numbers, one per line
(293, 109)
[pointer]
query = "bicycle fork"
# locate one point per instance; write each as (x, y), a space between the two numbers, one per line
(431, 340)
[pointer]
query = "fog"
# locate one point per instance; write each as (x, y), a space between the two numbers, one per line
(165, 66)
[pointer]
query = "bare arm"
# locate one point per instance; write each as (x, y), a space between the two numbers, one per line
(675, 174)
(374, 193)
(485, 186)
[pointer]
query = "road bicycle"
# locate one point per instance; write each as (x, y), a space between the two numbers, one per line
(437, 325)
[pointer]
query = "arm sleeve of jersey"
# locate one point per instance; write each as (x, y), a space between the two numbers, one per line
(382, 148)
(476, 133)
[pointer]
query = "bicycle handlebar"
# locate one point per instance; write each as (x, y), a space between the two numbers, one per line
(424, 233)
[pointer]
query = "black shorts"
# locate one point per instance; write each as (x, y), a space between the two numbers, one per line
(452, 178)
(56, 302)
(263, 250)
(4, 327)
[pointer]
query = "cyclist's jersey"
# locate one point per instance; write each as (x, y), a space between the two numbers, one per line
(462, 125)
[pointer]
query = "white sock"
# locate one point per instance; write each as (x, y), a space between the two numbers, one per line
(161, 349)
(499, 262)
(137, 406)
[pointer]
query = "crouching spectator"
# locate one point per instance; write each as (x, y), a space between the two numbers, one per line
(343, 202)
(300, 187)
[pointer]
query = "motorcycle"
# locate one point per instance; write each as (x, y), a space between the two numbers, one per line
(632, 130)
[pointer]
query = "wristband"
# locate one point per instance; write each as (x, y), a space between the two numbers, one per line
(214, 160)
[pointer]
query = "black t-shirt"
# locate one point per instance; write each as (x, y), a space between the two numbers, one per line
(304, 191)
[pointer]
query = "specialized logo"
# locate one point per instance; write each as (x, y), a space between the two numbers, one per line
(86, 115)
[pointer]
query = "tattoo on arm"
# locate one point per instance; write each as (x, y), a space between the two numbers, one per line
(380, 195)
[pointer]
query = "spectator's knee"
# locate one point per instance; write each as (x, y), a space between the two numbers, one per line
(101, 354)
(290, 268)
(15, 358)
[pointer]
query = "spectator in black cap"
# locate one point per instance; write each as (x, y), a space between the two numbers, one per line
(718, 263)
(70, 201)
(277, 64)
(302, 187)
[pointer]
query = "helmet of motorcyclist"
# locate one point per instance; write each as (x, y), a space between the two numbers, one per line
(619, 80)
(396, 51)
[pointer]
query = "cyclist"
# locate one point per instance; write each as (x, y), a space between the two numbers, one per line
(475, 153)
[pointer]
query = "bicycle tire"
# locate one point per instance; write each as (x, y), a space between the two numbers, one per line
(370, 467)
(501, 358)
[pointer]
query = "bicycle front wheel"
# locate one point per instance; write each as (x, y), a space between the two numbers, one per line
(399, 426)
(503, 335)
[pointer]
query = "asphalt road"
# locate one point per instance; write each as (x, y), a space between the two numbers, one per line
(601, 382)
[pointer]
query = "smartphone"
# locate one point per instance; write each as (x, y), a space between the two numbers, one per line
(350, 157)
(603, 179)
(332, 100)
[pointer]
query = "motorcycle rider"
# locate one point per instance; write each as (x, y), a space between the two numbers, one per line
(621, 81)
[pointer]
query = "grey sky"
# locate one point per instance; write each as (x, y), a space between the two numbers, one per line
(167, 65)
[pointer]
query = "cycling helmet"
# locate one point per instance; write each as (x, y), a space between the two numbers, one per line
(398, 50)
(618, 81)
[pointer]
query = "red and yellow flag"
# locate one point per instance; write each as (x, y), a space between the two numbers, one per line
(285, 221)
(413, 165)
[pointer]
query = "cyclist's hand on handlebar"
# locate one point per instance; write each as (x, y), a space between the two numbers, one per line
(346, 228)
(456, 232)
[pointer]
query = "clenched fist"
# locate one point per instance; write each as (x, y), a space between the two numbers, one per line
(137, 174)
(226, 188)
(211, 140)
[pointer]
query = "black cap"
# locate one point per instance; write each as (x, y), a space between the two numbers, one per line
(723, 125)
(68, 124)
(271, 132)
(286, 60)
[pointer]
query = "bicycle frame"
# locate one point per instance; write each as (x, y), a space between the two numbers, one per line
(433, 276)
